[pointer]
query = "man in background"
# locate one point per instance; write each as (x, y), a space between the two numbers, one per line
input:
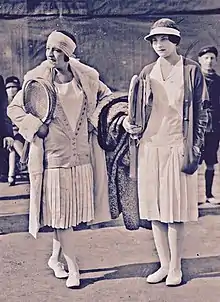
(208, 58)
(6, 133)
(12, 86)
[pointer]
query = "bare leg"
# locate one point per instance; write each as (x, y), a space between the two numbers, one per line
(160, 233)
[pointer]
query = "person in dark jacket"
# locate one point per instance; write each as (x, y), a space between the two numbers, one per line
(6, 132)
(208, 58)
(169, 147)
(12, 86)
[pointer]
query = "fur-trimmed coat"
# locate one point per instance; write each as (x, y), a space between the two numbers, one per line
(28, 125)
(114, 140)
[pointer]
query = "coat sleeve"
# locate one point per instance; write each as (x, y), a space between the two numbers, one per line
(104, 96)
(103, 91)
(200, 115)
(27, 124)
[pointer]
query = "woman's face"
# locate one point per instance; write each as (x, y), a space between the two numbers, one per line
(162, 46)
(55, 56)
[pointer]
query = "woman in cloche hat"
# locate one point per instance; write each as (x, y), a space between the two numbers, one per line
(169, 148)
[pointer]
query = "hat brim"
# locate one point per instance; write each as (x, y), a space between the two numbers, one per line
(162, 31)
(11, 85)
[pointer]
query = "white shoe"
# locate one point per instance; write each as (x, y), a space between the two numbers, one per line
(73, 280)
(213, 200)
(158, 276)
(58, 269)
(174, 278)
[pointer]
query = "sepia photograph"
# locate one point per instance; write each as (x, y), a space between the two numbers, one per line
(109, 151)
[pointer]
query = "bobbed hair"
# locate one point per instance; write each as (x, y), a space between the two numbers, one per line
(166, 22)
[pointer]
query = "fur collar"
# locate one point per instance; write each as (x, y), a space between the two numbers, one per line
(44, 70)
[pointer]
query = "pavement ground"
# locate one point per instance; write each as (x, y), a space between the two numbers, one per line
(114, 262)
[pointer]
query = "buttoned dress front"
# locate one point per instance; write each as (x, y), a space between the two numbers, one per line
(67, 198)
(165, 193)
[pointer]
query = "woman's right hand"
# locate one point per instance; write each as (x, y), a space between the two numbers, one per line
(43, 131)
(130, 128)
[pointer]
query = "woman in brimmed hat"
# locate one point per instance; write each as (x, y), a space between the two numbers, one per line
(74, 187)
(169, 148)
(12, 86)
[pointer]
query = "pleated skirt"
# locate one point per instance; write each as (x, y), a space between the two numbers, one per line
(165, 193)
(67, 196)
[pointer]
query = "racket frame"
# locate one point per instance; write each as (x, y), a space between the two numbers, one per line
(50, 94)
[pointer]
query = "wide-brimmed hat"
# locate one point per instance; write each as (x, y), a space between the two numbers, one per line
(162, 30)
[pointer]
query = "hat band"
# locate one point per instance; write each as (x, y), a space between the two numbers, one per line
(62, 42)
(163, 31)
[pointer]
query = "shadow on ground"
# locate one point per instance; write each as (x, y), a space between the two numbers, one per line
(194, 268)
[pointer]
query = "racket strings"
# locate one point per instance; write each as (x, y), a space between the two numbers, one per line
(39, 100)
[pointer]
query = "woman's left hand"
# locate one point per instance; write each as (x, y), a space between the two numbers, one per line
(130, 128)
(43, 131)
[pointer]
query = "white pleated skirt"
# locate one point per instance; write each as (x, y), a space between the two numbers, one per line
(165, 193)
(67, 196)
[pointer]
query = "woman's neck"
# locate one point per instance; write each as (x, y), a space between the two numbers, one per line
(64, 74)
(167, 64)
(173, 58)
(64, 69)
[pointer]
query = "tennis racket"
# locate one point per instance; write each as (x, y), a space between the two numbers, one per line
(132, 99)
(132, 105)
(140, 101)
(39, 99)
